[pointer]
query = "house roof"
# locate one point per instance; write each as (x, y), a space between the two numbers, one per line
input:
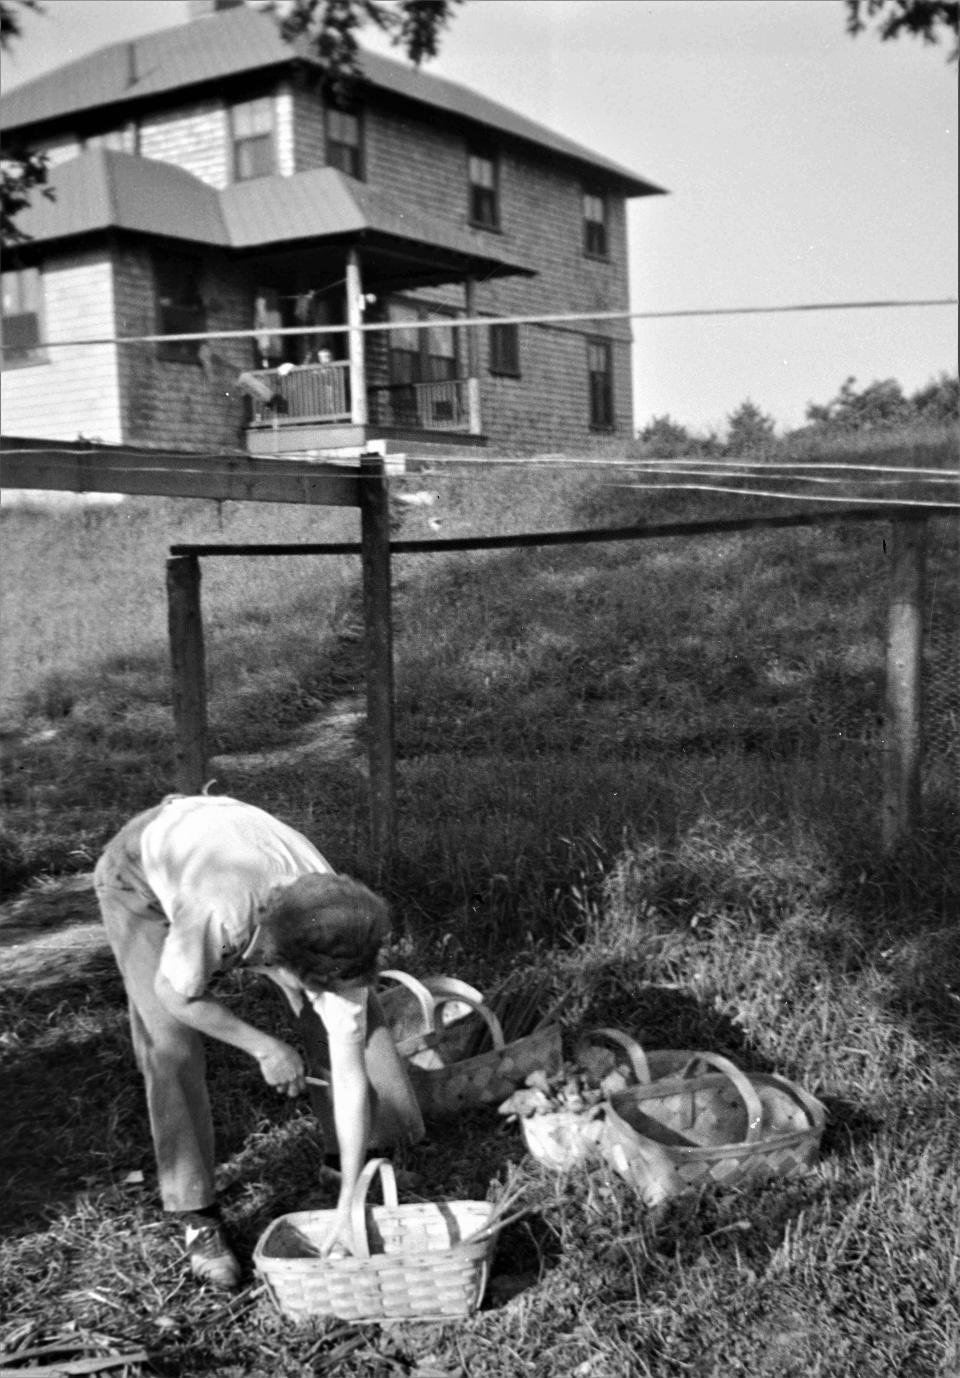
(243, 40)
(102, 190)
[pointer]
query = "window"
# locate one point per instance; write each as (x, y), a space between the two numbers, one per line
(600, 382)
(180, 309)
(344, 148)
(482, 175)
(123, 140)
(421, 355)
(594, 225)
(21, 318)
(251, 127)
(505, 350)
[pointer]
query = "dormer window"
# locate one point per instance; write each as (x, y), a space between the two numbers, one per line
(595, 243)
(251, 129)
(344, 141)
(484, 208)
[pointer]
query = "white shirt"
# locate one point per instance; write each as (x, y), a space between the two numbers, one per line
(212, 863)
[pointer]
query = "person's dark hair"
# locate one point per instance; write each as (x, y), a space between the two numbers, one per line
(325, 929)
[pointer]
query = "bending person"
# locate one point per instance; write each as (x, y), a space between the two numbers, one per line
(201, 885)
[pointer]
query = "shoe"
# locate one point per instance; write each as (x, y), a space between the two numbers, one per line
(211, 1258)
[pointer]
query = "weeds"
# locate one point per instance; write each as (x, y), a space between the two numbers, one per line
(649, 774)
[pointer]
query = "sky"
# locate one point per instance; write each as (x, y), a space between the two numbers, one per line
(804, 166)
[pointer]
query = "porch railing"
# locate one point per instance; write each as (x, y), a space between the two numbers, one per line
(443, 406)
(321, 392)
(310, 392)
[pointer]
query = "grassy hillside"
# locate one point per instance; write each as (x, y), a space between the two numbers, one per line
(650, 773)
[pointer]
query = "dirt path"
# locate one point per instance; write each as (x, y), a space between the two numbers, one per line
(48, 929)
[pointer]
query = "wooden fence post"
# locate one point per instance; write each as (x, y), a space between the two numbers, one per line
(378, 656)
(903, 736)
(185, 622)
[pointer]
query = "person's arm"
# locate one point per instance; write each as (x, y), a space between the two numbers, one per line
(281, 1065)
(351, 1117)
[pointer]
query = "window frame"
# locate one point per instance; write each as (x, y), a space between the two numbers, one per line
(353, 153)
(483, 202)
(503, 350)
(241, 143)
(596, 232)
(33, 354)
(187, 315)
(423, 360)
(600, 394)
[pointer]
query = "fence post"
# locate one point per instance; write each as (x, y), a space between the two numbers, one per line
(378, 656)
(903, 735)
(185, 622)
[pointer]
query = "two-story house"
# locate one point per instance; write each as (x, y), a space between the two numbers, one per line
(206, 182)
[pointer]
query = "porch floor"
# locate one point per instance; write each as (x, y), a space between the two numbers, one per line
(290, 438)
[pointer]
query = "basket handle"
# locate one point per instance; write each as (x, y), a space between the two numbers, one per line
(407, 1046)
(638, 1058)
(358, 1202)
(479, 1007)
(741, 1083)
(440, 991)
(452, 986)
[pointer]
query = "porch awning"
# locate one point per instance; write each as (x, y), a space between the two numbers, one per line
(104, 190)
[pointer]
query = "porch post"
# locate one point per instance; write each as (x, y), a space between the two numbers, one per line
(358, 372)
(473, 356)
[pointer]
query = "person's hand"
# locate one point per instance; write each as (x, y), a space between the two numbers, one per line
(282, 1067)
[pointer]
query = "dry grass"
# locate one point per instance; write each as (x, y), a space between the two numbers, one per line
(648, 774)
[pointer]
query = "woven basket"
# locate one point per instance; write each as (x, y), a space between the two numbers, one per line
(446, 1082)
(427, 1261)
(724, 1126)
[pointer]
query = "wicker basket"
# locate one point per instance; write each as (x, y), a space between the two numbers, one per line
(724, 1126)
(427, 1261)
(444, 1081)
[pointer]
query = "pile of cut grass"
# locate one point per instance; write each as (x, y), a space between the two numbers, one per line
(648, 774)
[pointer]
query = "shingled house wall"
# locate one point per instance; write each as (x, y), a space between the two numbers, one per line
(185, 404)
(540, 225)
(422, 161)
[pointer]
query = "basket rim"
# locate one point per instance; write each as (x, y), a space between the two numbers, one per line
(696, 1153)
(492, 1056)
(464, 1247)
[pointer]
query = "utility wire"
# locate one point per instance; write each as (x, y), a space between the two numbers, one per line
(460, 322)
(794, 497)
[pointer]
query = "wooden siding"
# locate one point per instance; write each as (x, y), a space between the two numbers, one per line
(195, 137)
(77, 390)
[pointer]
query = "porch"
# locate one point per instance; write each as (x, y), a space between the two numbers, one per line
(311, 406)
(346, 341)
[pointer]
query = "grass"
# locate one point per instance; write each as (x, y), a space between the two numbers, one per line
(647, 772)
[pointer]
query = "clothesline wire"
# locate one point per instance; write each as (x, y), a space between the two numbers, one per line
(460, 322)
(480, 468)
